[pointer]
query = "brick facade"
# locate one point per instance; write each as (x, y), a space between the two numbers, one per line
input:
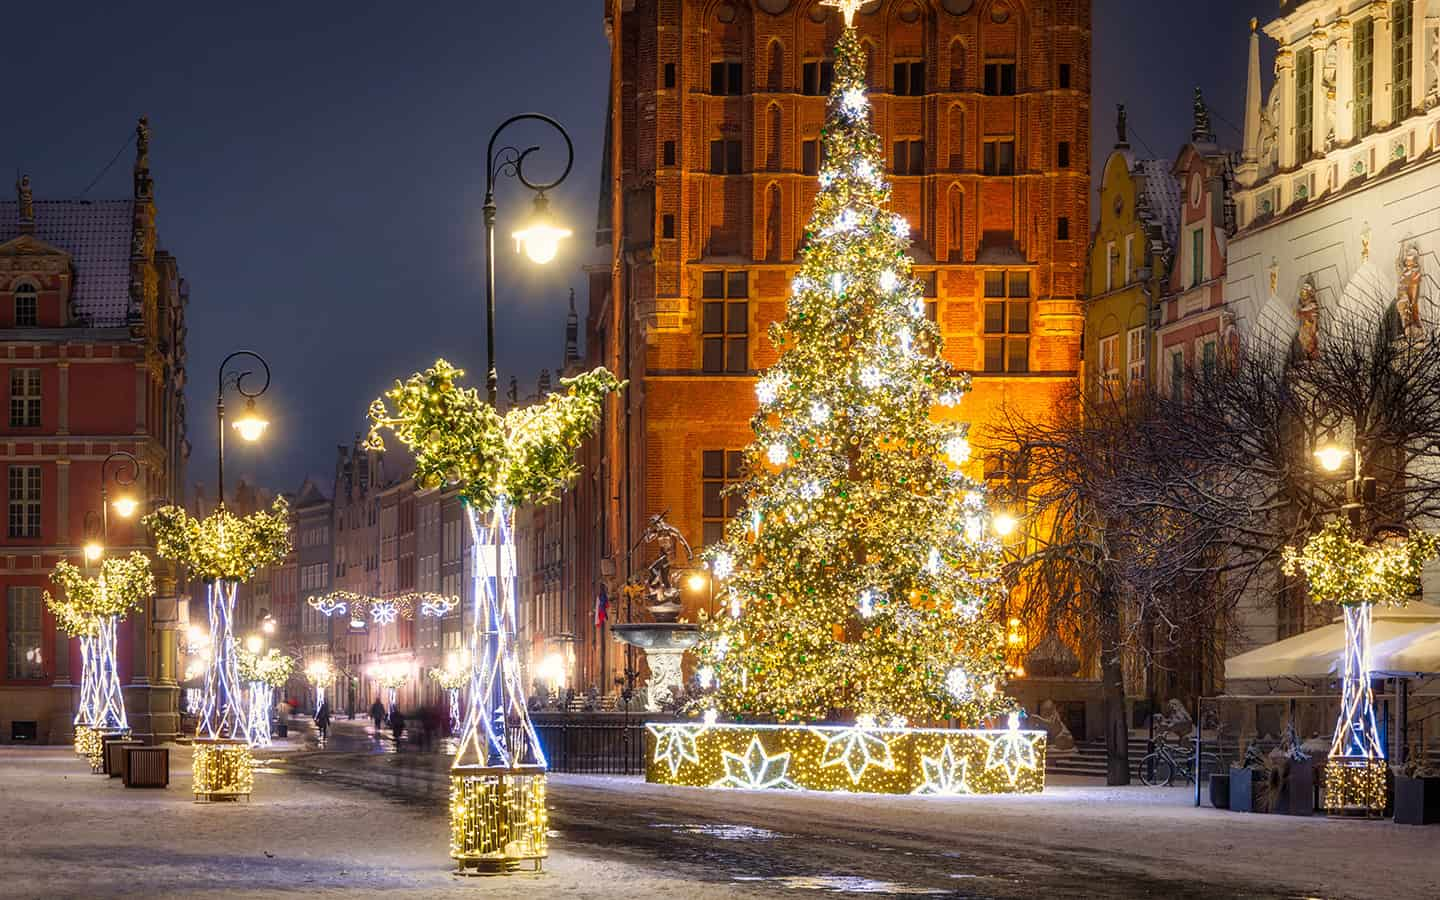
(92, 352)
(976, 110)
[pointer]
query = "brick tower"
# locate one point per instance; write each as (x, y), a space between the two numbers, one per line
(710, 175)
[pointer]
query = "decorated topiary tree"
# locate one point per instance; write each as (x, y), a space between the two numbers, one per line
(224, 550)
(495, 462)
(1343, 569)
(262, 673)
(91, 610)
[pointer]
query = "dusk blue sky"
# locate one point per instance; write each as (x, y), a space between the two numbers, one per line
(319, 172)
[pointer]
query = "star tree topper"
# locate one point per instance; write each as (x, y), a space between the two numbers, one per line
(847, 8)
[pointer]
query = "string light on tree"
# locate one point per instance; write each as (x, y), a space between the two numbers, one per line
(837, 601)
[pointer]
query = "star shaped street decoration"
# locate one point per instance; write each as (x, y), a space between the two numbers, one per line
(944, 774)
(756, 770)
(384, 612)
(675, 744)
(847, 8)
(857, 750)
(1012, 751)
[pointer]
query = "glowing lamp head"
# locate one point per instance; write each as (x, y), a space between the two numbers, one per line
(552, 670)
(268, 625)
(125, 506)
(1005, 524)
(253, 643)
(1331, 457)
(696, 581)
(93, 551)
(540, 238)
(251, 425)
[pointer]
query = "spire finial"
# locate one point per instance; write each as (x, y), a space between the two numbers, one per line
(143, 185)
(847, 9)
(572, 333)
(1254, 24)
(1122, 137)
(1200, 132)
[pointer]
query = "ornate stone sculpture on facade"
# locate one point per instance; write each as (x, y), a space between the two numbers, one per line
(1308, 311)
(27, 199)
(1407, 298)
(1327, 81)
(1269, 151)
(1229, 342)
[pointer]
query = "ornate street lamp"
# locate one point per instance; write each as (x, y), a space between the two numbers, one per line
(250, 425)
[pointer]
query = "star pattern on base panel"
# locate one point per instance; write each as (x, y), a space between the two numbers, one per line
(857, 750)
(675, 744)
(1012, 751)
(755, 769)
(944, 774)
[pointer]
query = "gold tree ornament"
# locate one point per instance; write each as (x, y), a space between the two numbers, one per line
(847, 8)
(222, 546)
(1340, 568)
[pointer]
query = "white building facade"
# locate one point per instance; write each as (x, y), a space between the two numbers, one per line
(1337, 191)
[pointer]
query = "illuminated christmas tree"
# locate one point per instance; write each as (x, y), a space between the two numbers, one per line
(860, 574)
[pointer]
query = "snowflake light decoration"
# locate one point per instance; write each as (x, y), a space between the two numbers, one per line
(675, 744)
(944, 774)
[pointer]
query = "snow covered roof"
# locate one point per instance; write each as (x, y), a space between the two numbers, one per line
(1162, 196)
(1401, 641)
(97, 235)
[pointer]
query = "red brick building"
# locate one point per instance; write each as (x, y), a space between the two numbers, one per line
(715, 112)
(92, 351)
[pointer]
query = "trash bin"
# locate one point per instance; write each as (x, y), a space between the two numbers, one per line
(282, 729)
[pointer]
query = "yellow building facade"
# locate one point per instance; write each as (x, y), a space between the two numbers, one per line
(1130, 251)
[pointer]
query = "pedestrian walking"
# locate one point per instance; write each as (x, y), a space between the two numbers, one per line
(377, 715)
(322, 719)
(397, 726)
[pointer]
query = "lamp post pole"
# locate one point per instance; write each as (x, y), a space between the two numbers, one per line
(508, 160)
(238, 379)
(133, 467)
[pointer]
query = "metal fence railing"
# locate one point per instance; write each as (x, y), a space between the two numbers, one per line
(593, 744)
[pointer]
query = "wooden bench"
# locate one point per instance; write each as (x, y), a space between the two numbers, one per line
(147, 767)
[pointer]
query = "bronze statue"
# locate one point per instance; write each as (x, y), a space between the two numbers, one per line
(1407, 300)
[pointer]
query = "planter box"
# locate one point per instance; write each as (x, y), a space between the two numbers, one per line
(147, 767)
(115, 748)
(1297, 794)
(1244, 785)
(1220, 791)
(1417, 801)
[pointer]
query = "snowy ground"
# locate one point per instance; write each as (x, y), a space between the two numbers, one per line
(361, 823)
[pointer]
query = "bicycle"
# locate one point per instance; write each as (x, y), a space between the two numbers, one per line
(1164, 763)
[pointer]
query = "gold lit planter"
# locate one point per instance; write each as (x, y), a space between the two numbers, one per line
(223, 770)
(497, 817)
(87, 741)
(95, 746)
(846, 758)
(1356, 784)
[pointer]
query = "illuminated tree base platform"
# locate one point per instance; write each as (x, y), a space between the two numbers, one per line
(95, 745)
(497, 817)
(224, 769)
(87, 741)
(846, 758)
(1356, 785)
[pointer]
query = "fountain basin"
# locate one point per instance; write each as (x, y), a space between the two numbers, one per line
(657, 635)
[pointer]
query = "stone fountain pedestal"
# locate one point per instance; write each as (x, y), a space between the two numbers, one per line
(664, 645)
